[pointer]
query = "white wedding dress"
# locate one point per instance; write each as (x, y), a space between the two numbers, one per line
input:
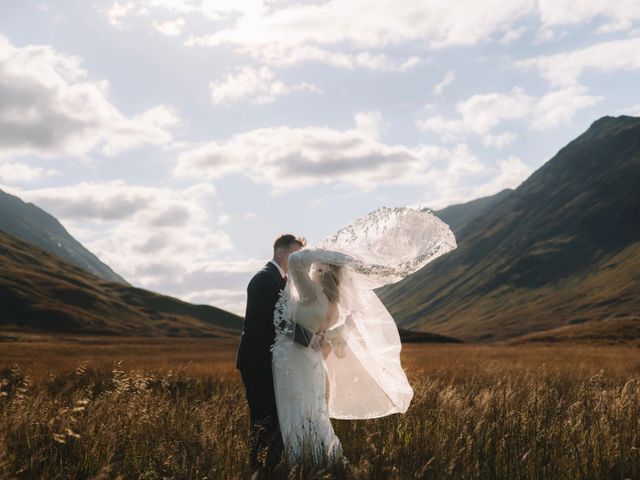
(299, 372)
(361, 377)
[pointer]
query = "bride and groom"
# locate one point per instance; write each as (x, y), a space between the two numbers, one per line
(317, 343)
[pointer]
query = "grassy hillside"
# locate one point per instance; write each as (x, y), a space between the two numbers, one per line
(42, 292)
(562, 249)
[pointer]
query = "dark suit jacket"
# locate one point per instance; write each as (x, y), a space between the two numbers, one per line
(258, 333)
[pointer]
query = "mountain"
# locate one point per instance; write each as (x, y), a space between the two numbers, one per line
(459, 215)
(33, 225)
(561, 249)
(394, 241)
(43, 292)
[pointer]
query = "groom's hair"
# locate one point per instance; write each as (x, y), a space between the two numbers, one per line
(285, 241)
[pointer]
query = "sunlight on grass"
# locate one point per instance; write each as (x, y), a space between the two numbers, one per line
(478, 412)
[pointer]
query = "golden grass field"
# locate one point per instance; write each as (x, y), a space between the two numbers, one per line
(91, 407)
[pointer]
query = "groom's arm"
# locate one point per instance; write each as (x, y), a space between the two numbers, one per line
(267, 293)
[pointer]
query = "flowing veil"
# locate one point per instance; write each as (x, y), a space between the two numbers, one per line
(365, 376)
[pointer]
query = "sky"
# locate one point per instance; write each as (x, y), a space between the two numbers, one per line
(177, 139)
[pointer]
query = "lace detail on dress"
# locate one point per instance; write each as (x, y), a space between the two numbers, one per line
(282, 315)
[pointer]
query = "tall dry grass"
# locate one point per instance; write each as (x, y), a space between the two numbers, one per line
(478, 412)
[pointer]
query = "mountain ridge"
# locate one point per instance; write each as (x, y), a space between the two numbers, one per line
(32, 224)
(43, 292)
(527, 264)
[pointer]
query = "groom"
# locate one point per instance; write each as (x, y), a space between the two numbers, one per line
(254, 354)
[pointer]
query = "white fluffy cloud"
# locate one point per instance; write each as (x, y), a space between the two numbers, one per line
(565, 69)
(283, 33)
(17, 173)
(117, 200)
(570, 12)
(351, 34)
(287, 157)
(48, 108)
(371, 23)
(117, 12)
(481, 113)
(257, 85)
(444, 190)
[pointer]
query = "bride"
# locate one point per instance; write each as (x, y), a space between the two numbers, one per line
(351, 367)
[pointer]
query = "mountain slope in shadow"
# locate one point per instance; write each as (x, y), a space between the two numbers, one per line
(40, 291)
(31, 224)
(563, 248)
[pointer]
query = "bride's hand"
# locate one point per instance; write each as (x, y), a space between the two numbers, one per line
(316, 341)
(326, 349)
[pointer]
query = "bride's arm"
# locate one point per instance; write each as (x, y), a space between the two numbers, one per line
(299, 264)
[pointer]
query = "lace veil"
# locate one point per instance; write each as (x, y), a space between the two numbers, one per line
(365, 376)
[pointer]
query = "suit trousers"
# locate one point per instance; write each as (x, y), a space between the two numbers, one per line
(265, 438)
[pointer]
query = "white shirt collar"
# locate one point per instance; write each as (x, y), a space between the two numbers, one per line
(282, 273)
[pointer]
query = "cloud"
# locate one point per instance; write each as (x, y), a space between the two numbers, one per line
(171, 28)
(499, 141)
(213, 10)
(446, 81)
(117, 12)
(258, 85)
(118, 200)
(338, 32)
(565, 69)
(331, 31)
(18, 173)
(554, 13)
(481, 113)
(287, 55)
(505, 173)
(370, 24)
(231, 300)
(48, 108)
(633, 110)
(512, 35)
(509, 173)
(559, 106)
(161, 116)
(286, 157)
